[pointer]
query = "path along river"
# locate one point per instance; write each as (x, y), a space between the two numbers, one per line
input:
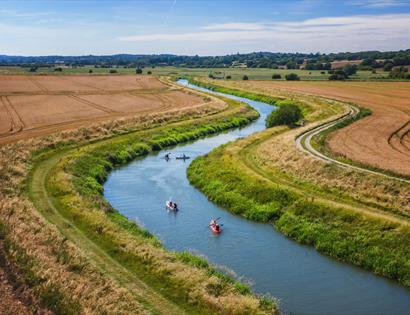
(304, 281)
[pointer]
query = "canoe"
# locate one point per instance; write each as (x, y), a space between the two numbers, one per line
(215, 230)
(169, 207)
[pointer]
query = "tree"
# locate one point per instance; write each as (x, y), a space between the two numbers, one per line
(113, 71)
(276, 76)
(399, 73)
(228, 77)
(59, 69)
(245, 77)
(350, 69)
(288, 113)
(138, 71)
(90, 71)
(388, 66)
(292, 77)
(149, 72)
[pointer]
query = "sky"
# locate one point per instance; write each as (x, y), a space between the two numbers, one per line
(202, 27)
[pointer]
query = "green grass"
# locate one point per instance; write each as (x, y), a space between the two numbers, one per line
(348, 236)
(88, 168)
(235, 73)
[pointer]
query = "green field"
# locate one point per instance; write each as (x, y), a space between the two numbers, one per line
(235, 73)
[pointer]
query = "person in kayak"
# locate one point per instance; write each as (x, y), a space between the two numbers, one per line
(167, 156)
(175, 206)
(213, 222)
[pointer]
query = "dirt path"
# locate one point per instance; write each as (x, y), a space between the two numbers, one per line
(381, 140)
(304, 143)
(247, 153)
(146, 296)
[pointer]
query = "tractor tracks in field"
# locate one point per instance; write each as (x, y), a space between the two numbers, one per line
(16, 121)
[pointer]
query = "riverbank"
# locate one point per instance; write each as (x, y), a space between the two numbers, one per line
(71, 256)
(264, 178)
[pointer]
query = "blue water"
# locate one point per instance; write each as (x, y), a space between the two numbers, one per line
(304, 281)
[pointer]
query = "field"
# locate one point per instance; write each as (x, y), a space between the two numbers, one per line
(37, 105)
(356, 217)
(235, 73)
(381, 140)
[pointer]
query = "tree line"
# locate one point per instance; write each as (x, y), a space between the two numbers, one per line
(312, 61)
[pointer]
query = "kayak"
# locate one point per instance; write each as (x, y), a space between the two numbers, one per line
(169, 207)
(182, 157)
(215, 230)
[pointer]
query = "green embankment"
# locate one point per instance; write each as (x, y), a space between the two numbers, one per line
(66, 182)
(231, 177)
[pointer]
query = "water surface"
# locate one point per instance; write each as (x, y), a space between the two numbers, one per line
(304, 281)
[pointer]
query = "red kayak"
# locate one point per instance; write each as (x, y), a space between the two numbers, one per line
(215, 228)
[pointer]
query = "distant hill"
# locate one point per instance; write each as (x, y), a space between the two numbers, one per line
(251, 60)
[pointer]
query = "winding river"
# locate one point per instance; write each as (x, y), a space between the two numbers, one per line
(304, 281)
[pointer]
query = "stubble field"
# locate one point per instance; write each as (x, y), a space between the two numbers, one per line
(381, 140)
(37, 105)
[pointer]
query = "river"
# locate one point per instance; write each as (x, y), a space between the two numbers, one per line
(304, 281)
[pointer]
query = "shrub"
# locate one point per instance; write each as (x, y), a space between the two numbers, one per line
(292, 77)
(113, 71)
(59, 69)
(228, 77)
(337, 77)
(138, 71)
(287, 114)
(276, 76)
(350, 69)
(322, 72)
(149, 72)
(90, 71)
(211, 76)
(245, 77)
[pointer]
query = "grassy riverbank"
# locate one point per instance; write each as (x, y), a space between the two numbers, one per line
(73, 183)
(81, 256)
(359, 229)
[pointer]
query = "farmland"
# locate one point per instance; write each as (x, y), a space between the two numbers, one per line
(235, 73)
(37, 105)
(380, 140)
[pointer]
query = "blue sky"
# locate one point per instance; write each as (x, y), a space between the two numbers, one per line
(202, 27)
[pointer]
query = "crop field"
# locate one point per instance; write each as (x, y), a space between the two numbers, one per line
(381, 140)
(37, 105)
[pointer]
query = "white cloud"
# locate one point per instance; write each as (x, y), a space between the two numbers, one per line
(345, 32)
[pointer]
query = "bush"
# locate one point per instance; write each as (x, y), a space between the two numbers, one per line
(337, 77)
(149, 72)
(245, 77)
(322, 72)
(292, 77)
(90, 71)
(287, 114)
(59, 69)
(276, 76)
(138, 71)
(228, 77)
(211, 76)
(113, 71)
(350, 69)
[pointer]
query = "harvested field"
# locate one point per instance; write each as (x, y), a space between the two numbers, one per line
(37, 105)
(381, 140)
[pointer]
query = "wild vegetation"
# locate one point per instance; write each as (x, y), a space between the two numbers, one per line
(265, 178)
(70, 256)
